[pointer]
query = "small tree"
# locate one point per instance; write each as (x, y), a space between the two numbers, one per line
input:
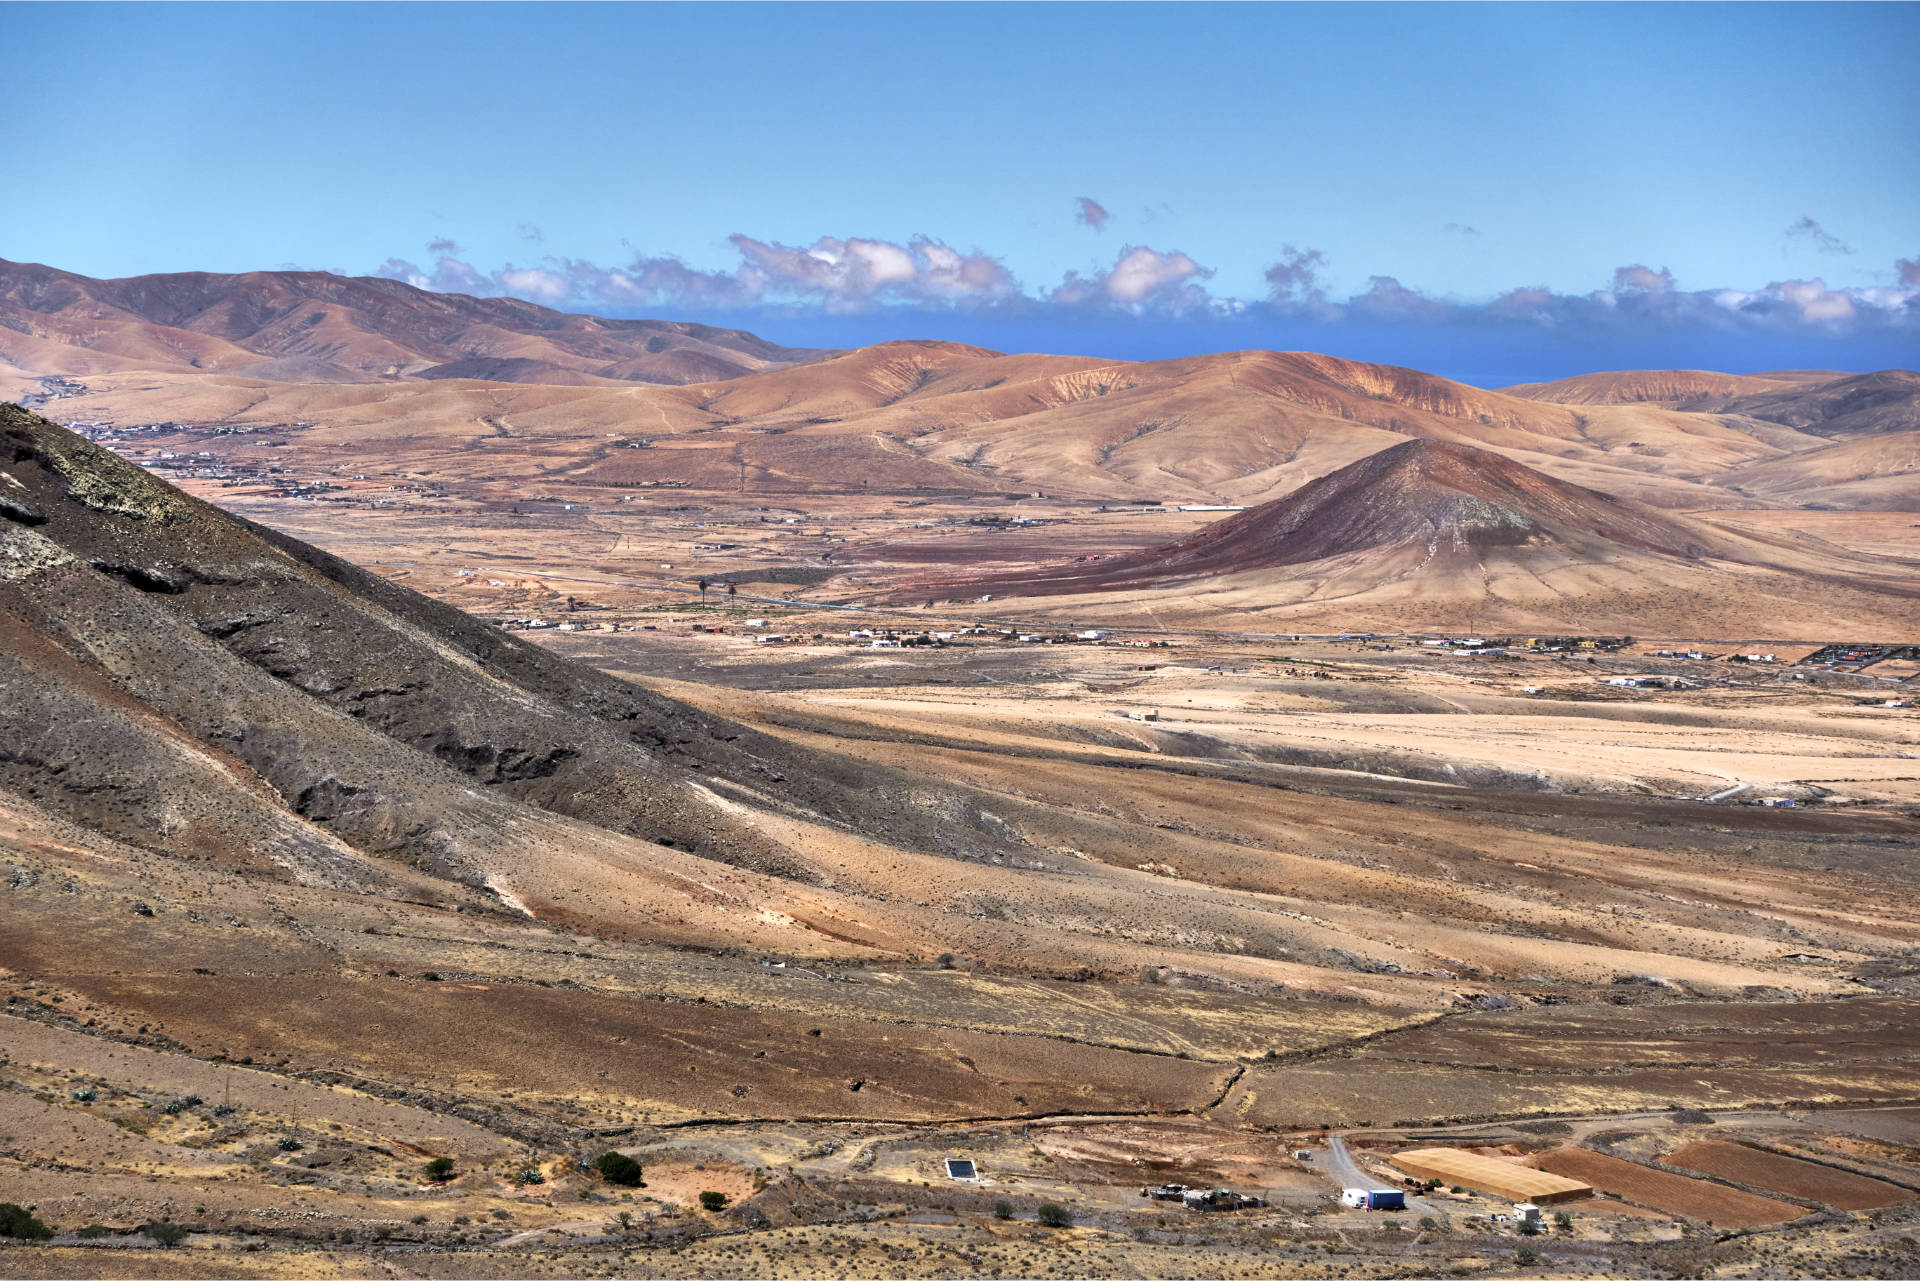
(1525, 1255)
(1054, 1216)
(1563, 1221)
(619, 1168)
(1003, 1209)
(438, 1170)
(17, 1223)
(166, 1234)
(713, 1202)
(704, 584)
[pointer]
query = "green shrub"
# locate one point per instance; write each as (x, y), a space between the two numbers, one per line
(94, 1231)
(290, 1144)
(20, 1225)
(529, 1177)
(162, 1233)
(1003, 1209)
(1054, 1216)
(713, 1202)
(619, 1168)
(438, 1170)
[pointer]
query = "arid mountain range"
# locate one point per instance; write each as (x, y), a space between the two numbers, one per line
(312, 326)
(498, 400)
(400, 374)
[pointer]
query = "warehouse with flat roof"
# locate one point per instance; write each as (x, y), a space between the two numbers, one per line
(1490, 1174)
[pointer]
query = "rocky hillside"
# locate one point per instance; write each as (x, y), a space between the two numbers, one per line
(182, 679)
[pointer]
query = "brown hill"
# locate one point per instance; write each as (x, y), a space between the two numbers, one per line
(1872, 419)
(1691, 389)
(1225, 427)
(1430, 534)
(1886, 401)
(1454, 502)
(302, 326)
(1876, 471)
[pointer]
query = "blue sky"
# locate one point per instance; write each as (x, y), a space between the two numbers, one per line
(1121, 178)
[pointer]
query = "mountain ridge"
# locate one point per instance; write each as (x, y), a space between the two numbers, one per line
(913, 416)
(325, 327)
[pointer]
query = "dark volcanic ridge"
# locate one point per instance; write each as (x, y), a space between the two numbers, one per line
(183, 680)
(1455, 502)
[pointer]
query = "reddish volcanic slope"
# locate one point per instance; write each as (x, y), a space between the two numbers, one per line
(1450, 499)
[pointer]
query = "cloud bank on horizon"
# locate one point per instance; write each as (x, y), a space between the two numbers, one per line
(854, 276)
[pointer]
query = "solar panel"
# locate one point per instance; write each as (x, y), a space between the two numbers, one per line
(959, 1168)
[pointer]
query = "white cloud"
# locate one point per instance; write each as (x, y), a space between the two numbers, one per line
(1142, 280)
(536, 283)
(1817, 303)
(1635, 277)
(856, 274)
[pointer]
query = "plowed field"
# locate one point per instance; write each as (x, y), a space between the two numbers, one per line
(1671, 1193)
(1788, 1175)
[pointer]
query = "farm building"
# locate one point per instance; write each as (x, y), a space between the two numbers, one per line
(1490, 1174)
